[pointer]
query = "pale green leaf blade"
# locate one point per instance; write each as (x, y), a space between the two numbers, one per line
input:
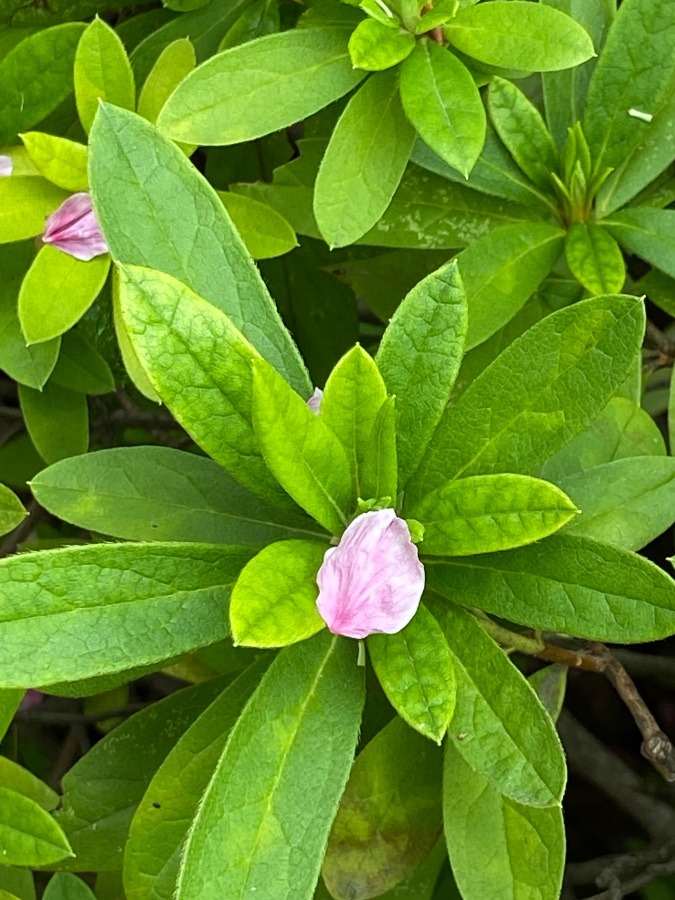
(25, 203)
(394, 789)
(570, 584)
(16, 778)
(287, 789)
(102, 790)
(29, 836)
(105, 608)
(522, 130)
(57, 291)
(519, 35)
(595, 258)
(301, 451)
(9, 703)
(59, 160)
(233, 97)
(57, 421)
(102, 72)
(417, 673)
(634, 71)
(164, 815)
(442, 101)
(161, 494)
(264, 231)
(485, 513)
(352, 399)
(12, 510)
(165, 195)
(273, 602)
(502, 270)
(419, 358)
(650, 233)
(174, 64)
(36, 76)
(531, 391)
(379, 476)
(375, 47)
(499, 725)
(80, 367)
(64, 886)
(499, 848)
(200, 366)
(627, 502)
(364, 162)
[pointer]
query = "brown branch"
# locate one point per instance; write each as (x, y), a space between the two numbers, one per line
(655, 862)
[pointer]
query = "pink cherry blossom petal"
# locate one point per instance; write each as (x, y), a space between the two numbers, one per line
(73, 228)
(314, 401)
(372, 582)
(6, 165)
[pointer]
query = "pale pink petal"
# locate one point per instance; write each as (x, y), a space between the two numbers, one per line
(372, 582)
(314, 401)
(31, 698)
(73, 228)
(6, 165)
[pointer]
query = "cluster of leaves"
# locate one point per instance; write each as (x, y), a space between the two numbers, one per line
(499, 407)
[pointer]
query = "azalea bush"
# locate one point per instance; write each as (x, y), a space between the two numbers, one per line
(337, 353)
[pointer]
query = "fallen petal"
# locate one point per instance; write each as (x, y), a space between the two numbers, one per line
(314, 401)
(6, 165)
(73, 228)
(372, 582)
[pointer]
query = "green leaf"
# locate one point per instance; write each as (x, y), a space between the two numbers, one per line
(565, 92)
(623, 429)
(35, 77)
(57, 291)
(519, 35)
(174, 64)
(379, 477)
(389, 817)
(164, 815)
(80, 367)
(531, 390)
(499, 727)
(521, 128)
(25, 203)
(132, 364)
(106, 608)
(18, 883)
(550, 684)
(570, 584)
(31, 366)
(315, 692)
(352, 399)
(274, 600)
(61, 161)
(9, 703)
(375, 47)
(502, 270)
(442, 101)
(14, 777)
(634, 71)
(102, 72)
(64, 886)
(308, 461)
(257, 20)
(416, 671)
(264, 231)
(310, 67)
(595, 258)
(102, 790)
(57, 421)
(29, 835)
(627, 502)
(164, 194)
(12, 511)
(419, 357)
(200, 366)
(499, 848)
(650, 233)
(364, 162)
(484, 513)
(161, 494)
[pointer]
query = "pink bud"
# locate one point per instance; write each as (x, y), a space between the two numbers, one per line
(372, 582)
(314, 401)
(73, 228)
(6, 165)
